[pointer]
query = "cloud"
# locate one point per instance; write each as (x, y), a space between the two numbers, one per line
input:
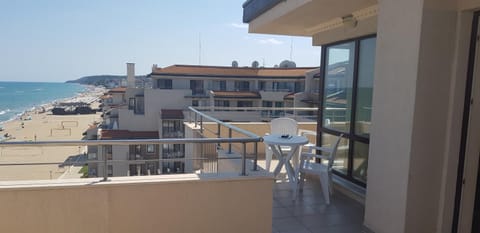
(270, 41)
(239, 25)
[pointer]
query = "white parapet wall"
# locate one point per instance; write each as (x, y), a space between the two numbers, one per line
(173, 204)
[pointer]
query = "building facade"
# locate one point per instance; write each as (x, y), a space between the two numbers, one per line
(412, 72)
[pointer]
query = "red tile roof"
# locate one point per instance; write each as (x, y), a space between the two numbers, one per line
(236, 94)
(171, 114)
(193, 70)
(289, 96)
(126, 134)
(105, 97)
(118, 90)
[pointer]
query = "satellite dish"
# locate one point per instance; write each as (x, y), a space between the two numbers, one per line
(234, 63)
(255, 64)
(287, 64)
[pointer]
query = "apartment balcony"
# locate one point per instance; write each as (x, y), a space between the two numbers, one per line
(237, 195)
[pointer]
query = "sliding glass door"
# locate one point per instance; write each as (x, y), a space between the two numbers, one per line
(346, 103)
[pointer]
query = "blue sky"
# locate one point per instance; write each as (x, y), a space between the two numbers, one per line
(59, 40)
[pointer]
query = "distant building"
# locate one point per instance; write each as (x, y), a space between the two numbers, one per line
(158, 112)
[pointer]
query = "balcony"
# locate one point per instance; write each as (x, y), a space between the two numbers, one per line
(226, 178)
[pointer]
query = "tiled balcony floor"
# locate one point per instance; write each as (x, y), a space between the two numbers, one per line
(309, 213)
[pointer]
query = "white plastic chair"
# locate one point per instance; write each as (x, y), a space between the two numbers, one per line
(280, 126)
(324, 171)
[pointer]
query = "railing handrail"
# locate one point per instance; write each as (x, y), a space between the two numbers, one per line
(253, 136)
(130, 142)
(207, 108)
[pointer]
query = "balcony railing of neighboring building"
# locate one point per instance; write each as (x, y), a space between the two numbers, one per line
(265, 113)
(106, 161)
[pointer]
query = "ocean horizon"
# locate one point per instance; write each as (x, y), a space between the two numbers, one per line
(18, 97)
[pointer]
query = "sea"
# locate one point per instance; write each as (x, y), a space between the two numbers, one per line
(18, 97)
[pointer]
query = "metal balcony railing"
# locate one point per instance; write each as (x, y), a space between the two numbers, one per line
(245, 138)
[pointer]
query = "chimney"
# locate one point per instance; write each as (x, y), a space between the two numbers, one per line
(131, 75)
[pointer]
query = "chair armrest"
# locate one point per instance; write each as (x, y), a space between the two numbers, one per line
(304, 132)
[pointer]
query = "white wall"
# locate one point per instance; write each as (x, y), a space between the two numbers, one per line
(155, 100)
(163, 204)
(415, 47)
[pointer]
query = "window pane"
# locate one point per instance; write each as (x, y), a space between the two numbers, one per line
(340, 163)
(365, 87)
(360, 161)
(338, 86)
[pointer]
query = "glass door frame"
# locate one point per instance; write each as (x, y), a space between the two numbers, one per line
(350, 134)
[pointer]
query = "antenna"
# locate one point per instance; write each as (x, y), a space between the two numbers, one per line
(291, 48)
(199, 48)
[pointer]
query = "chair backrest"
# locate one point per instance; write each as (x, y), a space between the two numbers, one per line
(334, 151)
(283, 125)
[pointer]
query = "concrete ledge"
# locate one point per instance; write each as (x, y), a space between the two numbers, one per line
(173, 203)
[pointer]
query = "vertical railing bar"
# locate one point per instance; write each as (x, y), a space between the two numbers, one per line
(255, 149)
(244, 159)
(105, 166)
(218, 134)
(196, 120)
(201, 124)
(229, 144)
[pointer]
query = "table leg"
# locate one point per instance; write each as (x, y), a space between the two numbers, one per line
(277, 151)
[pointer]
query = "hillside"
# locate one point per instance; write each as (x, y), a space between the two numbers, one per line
(104, 80)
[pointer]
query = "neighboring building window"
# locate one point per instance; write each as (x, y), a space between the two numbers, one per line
(172, 128)
(195, 103)
(164, 84)
(262, 85)
(110, 170)
(139, 105)
(197, 87)
(222, 103)
(92, 156)
(173, 151)
(108, 152)
(131, 104)
(299, 87)
(242, 85)
(267, 104)
(219, 85)
(150, 148)
(138, 149)
(244, 104)
(281, 86)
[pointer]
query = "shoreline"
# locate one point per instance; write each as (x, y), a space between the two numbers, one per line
(89, 90)
(35, 125)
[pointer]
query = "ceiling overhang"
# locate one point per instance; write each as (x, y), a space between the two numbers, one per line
(313, 17)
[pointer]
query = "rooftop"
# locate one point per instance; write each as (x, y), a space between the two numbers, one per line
(126, 134)
(171, 114)
(118, 90)
(194, 70)
(236, 94)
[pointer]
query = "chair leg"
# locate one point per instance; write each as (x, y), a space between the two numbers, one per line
(324, 182)
(330, 183)
(301, 181)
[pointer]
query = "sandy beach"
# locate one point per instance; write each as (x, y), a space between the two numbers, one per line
(35, 126)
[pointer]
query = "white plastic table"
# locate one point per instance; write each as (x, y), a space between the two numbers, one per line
(275, 141)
